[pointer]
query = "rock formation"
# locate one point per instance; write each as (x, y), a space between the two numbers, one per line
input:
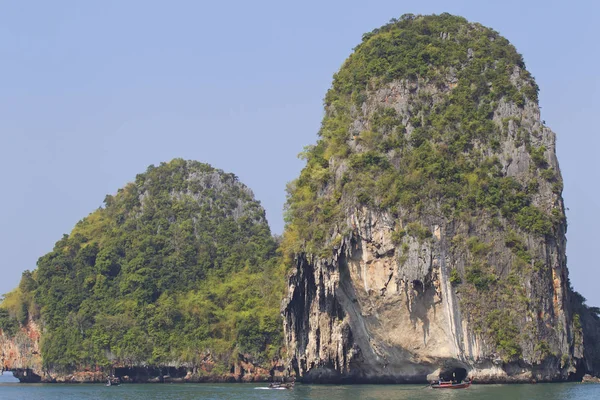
(427, 230)
(175, 279)
(20, 353)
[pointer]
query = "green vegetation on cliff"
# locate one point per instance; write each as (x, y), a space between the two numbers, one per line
(443, 159)
(9, 325)
(178, 265)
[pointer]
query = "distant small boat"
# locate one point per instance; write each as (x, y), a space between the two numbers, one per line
(451, 385)
(112, 382)
(277, 385)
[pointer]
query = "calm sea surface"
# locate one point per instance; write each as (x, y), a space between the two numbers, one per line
(559, 391)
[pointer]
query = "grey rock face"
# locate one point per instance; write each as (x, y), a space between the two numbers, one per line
(209, 187)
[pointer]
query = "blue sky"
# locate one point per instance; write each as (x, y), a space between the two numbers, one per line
(91, 93)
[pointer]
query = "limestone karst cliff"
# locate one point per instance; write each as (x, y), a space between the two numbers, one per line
(427, 230)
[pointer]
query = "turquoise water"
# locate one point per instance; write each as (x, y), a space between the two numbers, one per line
(559, 391)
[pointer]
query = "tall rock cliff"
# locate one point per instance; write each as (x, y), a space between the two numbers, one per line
(427, 230)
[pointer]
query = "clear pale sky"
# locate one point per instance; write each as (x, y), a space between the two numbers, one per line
(91, 93)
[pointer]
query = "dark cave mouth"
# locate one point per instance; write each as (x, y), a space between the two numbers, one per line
(456, 374)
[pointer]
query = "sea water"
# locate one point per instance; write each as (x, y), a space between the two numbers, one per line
(556, 391)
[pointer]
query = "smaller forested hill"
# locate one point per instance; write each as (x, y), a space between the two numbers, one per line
(178, 265)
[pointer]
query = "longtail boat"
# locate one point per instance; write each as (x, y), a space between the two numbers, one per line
(451, 385)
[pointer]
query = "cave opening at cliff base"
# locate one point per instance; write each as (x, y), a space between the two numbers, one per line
(457, 374)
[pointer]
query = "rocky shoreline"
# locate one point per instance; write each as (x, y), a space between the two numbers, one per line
(20, 354)
(590, 379)
(241, 372)
(89, 377)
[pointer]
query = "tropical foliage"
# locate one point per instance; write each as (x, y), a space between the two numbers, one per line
(179, 264)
